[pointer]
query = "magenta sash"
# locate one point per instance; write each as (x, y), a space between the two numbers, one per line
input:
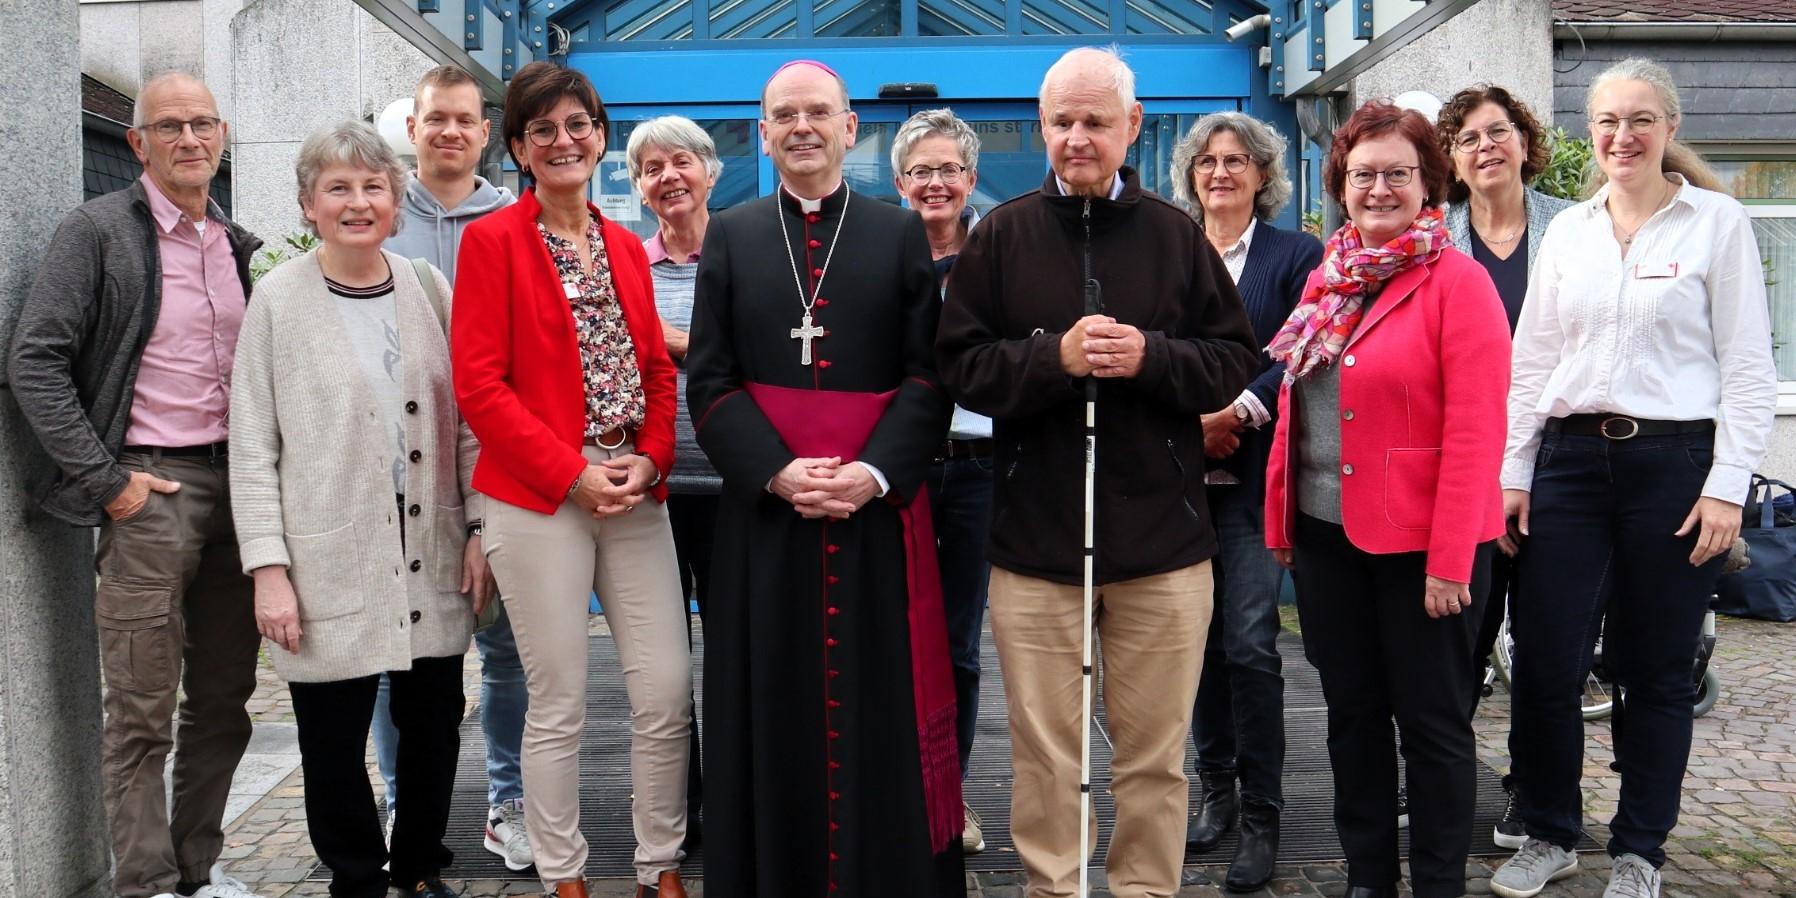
(830, 423)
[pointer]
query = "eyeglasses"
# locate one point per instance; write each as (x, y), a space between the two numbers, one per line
(1395, 176)
(1469, 140)
(787, 119)
(949, 171)
(543, 133)
(169, 130)
(1233, 163)
(1639, 123)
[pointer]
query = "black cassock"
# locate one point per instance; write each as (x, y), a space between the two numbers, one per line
(812, 770)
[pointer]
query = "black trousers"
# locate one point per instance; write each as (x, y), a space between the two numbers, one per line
(427, 706)
(693, 517)
(1381, 657)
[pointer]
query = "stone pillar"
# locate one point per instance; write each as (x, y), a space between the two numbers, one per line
(53, 841)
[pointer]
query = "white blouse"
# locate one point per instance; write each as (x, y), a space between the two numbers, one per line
(1679, 329)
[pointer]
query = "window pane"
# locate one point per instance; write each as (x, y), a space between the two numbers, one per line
(737, 145)
(854, 18)
(1777, 244)
(959, 17)
(1066, 16)
(1767, 179)
(731, 19)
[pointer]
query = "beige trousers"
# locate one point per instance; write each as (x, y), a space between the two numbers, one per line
(1152, 631)
(546, 565)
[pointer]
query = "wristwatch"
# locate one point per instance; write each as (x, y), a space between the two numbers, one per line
(476, 527)
(1241, 412)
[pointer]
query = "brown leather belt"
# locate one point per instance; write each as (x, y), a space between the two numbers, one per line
(611, 439)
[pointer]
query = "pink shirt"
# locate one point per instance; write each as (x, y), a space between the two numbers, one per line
(183, 393)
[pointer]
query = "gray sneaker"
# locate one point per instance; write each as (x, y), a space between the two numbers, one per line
(1534, 865)
(1630, 876)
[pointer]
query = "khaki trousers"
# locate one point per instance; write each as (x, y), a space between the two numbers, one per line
(546, 565)
(176, 616)
(1152, 631)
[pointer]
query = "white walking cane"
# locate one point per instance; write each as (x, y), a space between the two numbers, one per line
(1093, 304)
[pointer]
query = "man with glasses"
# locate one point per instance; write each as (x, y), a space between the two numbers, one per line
(829, 699)
(121, 363)
(1169, 341)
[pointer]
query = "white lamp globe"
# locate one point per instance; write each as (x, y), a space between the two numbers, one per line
(1421, 101)
(391, 125)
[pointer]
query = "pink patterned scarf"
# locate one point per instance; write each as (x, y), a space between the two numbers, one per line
(1330, 309)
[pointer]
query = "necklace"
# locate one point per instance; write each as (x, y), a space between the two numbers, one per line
(806, 331)
(1627, 237)
(1512, 235)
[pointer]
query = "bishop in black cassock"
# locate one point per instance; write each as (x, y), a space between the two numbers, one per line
(822, 778)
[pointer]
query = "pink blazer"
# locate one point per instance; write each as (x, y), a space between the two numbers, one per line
(1424, 388)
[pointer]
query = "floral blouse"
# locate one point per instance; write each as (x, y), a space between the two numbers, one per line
(614, 396)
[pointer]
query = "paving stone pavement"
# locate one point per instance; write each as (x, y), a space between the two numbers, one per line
(1736, 837)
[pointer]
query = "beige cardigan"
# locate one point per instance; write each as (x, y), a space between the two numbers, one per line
(311, 479)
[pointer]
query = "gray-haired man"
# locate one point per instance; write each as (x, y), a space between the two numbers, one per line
(122, 364)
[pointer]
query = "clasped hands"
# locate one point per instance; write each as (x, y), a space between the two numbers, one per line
(614, 486)
(824, 487)
(1100, 346)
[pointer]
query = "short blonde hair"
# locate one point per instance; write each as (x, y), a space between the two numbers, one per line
(351, 143)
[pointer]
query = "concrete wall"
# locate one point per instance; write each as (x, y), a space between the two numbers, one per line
(299, 65)
(1507, 42)
(53, 840)
(125, 42)
(1780, 461)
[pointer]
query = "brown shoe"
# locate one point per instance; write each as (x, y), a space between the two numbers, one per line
(668, 885)
(574, 889)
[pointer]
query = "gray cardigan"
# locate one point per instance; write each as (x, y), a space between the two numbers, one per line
(1539, 208)
(81, 333)
(312, 488)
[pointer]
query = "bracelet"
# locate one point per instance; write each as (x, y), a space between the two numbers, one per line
(575, 486)
(476, 527)
(657, 481)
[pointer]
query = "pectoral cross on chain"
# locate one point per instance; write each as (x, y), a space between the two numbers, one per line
(805, 333)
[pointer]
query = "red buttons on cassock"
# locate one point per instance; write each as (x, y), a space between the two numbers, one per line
(822, 302)
(813, 217)
(815, 243)
(833, 610)
(816, 272)
(832, 675)
(833, 826)
(834, 735)
(833, 856)
(823, 363)
(832, 548)
(835, 765)
(833, 579)
(833, 795)
(832, 703)
(831, 642)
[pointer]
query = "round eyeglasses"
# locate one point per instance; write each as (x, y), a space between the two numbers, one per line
(1395, 176)
(1233, 163)
(1469, 140)
(169, 130)
(951, 173)
(543, 133)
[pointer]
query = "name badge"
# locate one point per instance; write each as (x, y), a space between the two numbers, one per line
(570, 290)
(1647, 270)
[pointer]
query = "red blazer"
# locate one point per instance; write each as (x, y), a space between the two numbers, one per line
(517, 366)
(1426, 381)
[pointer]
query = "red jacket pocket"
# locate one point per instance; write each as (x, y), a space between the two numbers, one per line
(1410, 479)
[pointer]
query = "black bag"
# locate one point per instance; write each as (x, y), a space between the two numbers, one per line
(1767, 589)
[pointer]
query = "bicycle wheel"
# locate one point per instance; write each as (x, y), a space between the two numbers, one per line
(1708, 691)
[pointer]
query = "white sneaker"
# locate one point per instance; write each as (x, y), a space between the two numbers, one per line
(1630, 876)
(1533, 866)
(223, 886)
(972, 833)
(507, 837)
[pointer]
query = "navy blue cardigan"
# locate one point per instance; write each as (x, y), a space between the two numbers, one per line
(1278, 264)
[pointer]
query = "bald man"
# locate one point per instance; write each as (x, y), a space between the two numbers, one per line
(122, 365)
(830, 755)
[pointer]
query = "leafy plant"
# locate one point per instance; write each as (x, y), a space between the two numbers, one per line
(297, 243)
(1568, 167)
(1312, 221)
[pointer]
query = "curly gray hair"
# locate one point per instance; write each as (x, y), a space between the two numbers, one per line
(671, 132)
(1264, 144)
(351, 143)
(935, 123)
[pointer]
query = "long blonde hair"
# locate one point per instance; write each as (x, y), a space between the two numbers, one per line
(1679, 157)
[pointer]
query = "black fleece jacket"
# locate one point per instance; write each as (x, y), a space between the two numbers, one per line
(1016, 288)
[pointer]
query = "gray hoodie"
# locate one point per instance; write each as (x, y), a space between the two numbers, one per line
(433, 233)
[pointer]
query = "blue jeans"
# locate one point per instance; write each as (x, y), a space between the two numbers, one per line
(1238, 722)
(960, 504)
(1601, 553)
(503, 701)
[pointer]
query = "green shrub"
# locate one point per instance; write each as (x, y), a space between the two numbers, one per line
(297, 243)
(1566, 172)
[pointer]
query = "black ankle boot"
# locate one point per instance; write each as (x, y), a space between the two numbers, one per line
(1258, 850)
(1371, 892)
(1216, 810)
